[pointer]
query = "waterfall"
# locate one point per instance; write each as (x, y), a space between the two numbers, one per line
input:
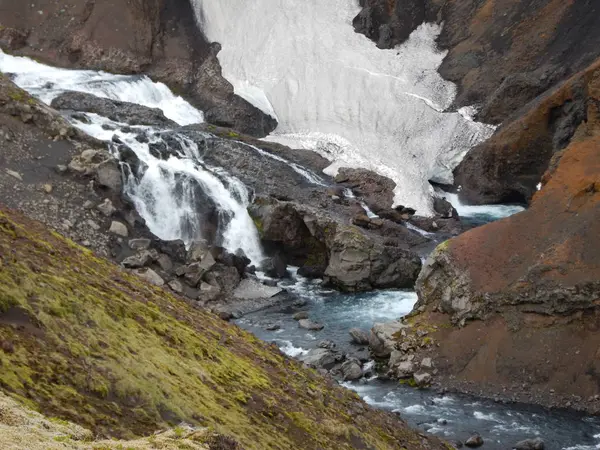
(334, 92)
(172, 195)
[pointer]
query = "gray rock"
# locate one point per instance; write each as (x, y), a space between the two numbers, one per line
(301, 315)
(208, 292)
(320, 358)
(197, 251)
(310, 325)
(396, 357)
(193, 274)
(142, 259)
(119, 229)
(106, 208)
(530, 444)
(225, 277)
(139, 244)
(151, 276)
(405, 369)
(165, 262)
(474, 441)
(249, 289)
(176, 286)
(427, 364)
(422, 379)
(108, 174)
(351, 370)
(382, 340)
(358, 336)
(272, 327)
(275, 267)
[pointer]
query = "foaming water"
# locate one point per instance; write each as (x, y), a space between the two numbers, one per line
(481, 214)
(333, 91)
(171, 194)
(46, 83)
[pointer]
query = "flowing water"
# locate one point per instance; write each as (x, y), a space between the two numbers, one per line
(165, 196)
(335, 92)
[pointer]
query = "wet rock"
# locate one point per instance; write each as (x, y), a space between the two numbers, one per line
(118, 111)
(249, 289)
(444, 208)
(310, 325)
(139, 244)
(197, 251)
(301, 315)
(151, 276)
(351, 370)
(108, 175)
(272, 327)
(320, 358)
(119, 229)
(374, 188)
(106, 207)
(328, 344)
(358, 336)
(275, 267)
(474, 441)
(530, 444)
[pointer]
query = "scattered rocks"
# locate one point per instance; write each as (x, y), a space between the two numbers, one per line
(310, 325)
(530, 444)
(119, 229)
(301, 315)
(358, 336)
(474, 441)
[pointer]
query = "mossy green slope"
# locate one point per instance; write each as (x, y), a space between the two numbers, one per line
(82, 340)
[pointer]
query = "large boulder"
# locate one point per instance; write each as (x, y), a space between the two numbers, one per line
(125, 112)
(374, 188)
(383, 338)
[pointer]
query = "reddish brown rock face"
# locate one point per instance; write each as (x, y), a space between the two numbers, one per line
(527, 288)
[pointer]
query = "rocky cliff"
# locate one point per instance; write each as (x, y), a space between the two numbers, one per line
(158, 38)
(522, 294)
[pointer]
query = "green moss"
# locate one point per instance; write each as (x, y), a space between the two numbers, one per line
(98, 346)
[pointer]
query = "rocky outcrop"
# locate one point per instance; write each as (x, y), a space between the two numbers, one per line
(522, 293)
(159, 38)
(501, 53)
(348, 257)
(508, 167)
(124, 112)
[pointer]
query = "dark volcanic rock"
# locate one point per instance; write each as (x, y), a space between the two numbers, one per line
(130, 113)
(374, 188)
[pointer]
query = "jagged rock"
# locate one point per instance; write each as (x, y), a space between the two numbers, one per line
(251, 289)
(175, 249)
(374, 188)
(108, 174)
(165, 262)
(119, 229)
(422, 379)
(301, 315)
(351, 370)
(197, 251)
(176, 286)
(328, 344)
(275, 267)
(530, 444)
(474, 441)
(358, 336)
(320, 358)
(142, 259)
(239, 260)
(225, 277)
(139, 244)
(310, 325)
(382, 340)
(444, 208)
(118, 111)
(151, 276)
(427, 364)
(405, 369)
(208, 292)
(106, 207)
(396, 356)
(193, 273)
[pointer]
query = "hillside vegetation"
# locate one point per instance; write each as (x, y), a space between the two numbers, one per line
(84, 341)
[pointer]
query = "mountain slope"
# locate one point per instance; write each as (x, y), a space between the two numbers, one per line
(82, 340)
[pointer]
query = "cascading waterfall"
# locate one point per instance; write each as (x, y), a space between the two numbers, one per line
(334, 92)
(167, 193)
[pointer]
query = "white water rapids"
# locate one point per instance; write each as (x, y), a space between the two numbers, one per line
(166, 195)
(335, 92)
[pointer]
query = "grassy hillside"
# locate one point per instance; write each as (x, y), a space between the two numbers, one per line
(84, 341)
